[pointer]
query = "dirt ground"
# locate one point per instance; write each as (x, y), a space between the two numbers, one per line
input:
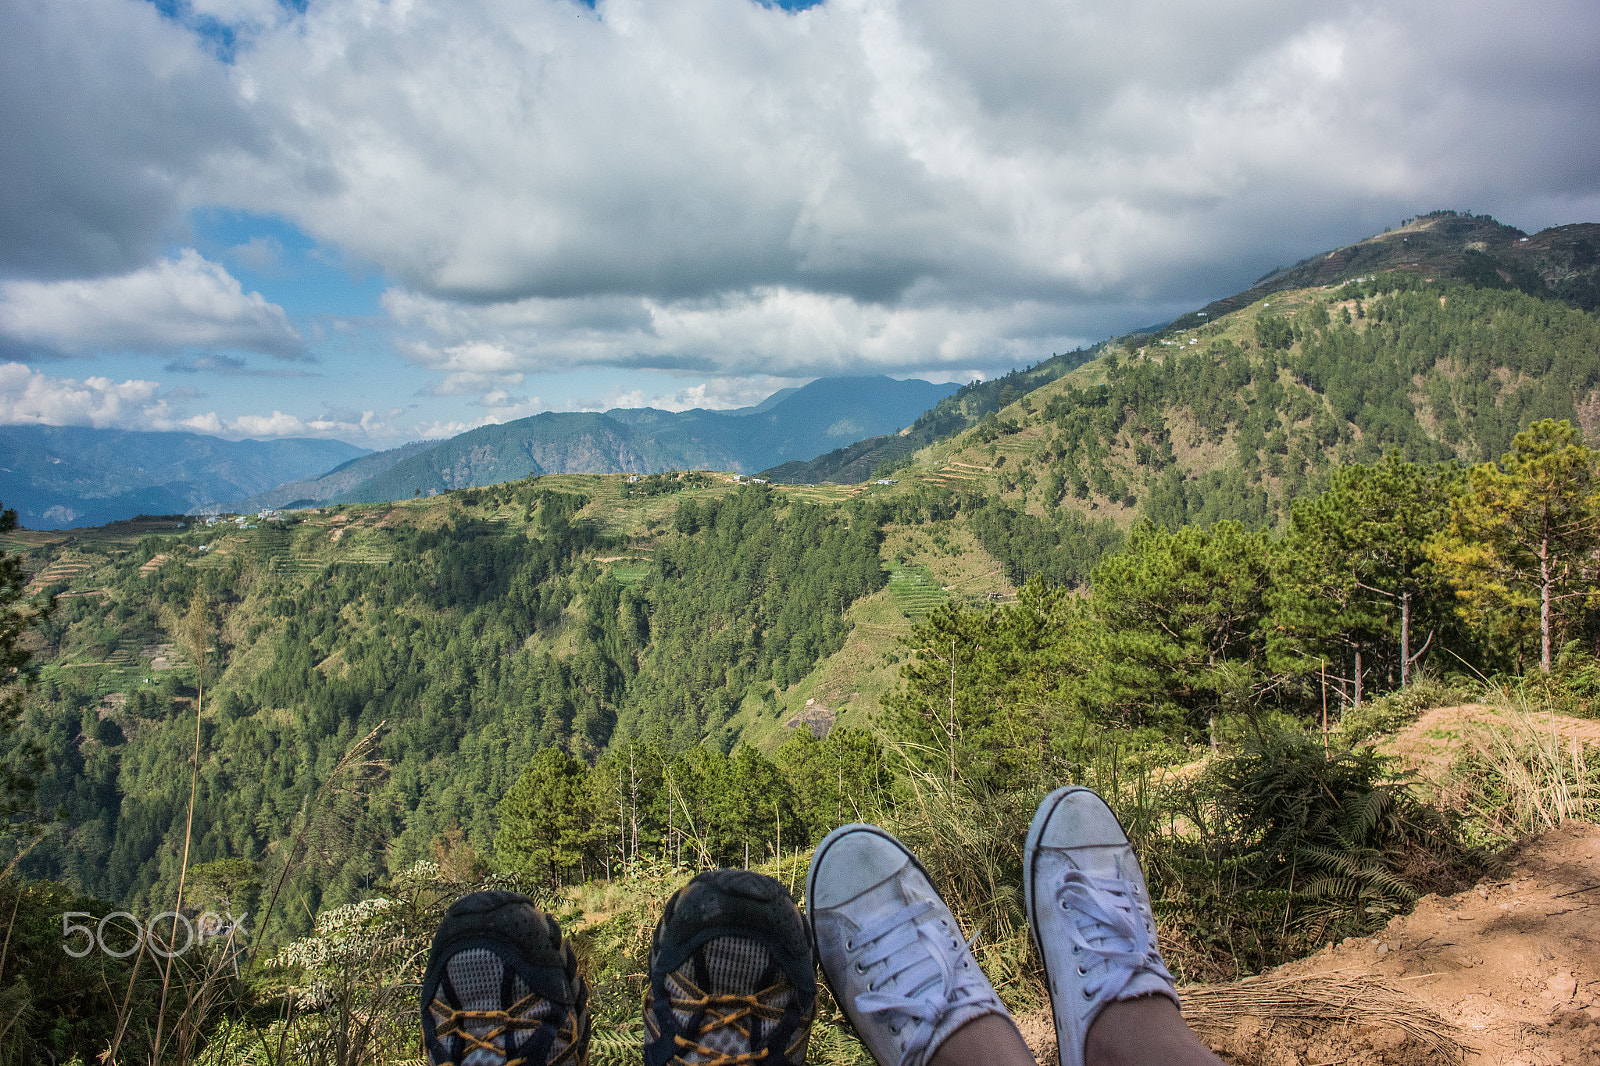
(1504, 974)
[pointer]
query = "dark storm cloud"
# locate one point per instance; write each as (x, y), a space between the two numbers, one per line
(107, 111)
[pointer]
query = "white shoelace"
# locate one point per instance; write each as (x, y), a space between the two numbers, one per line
(1110, 926)
(924, 958)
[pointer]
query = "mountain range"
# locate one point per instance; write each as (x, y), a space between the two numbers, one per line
(58, 477)
(791, 424)
(844, 429)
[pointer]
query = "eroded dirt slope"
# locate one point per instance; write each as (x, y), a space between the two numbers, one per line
(1504, 974)
(1513, 964)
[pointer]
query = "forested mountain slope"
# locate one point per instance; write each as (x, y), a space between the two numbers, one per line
(1562, 262)
(1236, 418)
(480, 629)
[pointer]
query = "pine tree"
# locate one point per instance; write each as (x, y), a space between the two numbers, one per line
(1352, 571)
(1178, 626)
(1523, 534)
(545, 820)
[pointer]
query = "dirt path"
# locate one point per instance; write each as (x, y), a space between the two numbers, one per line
(1514, 964)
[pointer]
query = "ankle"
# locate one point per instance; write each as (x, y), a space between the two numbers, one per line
(1133, 1032)
(990, 1039)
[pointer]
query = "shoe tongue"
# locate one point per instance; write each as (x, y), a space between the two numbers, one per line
(735, 964)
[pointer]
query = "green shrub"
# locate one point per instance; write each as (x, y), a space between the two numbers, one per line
(1394, 711)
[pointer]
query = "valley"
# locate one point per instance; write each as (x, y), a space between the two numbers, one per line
(1171, 567)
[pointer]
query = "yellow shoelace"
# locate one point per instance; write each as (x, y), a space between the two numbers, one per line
(454, 1023)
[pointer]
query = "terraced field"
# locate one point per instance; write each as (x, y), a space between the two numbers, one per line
(915, 591)
(630, 572)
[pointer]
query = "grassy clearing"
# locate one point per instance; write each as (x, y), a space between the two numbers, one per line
(630, 572)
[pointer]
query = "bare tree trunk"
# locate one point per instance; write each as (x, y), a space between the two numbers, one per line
(952, 715)
(1544, 604)
(1358, 677)
(1405, 639)
(633, 801)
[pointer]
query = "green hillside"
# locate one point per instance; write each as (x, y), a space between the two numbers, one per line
(1562, 262)
(1238, 417)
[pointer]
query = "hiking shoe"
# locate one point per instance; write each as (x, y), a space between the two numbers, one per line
(889, 947)
(502, 988)
(1089, 910)
(731, 977)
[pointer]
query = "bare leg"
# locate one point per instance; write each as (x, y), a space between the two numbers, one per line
(991, 1040)
(1147, 1031)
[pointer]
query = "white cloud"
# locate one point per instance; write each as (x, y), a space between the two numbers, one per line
(28, 397)
(725, 188)
(779, 332)
(264, 255)
(720, 394)
(172, 305)
(484, 149)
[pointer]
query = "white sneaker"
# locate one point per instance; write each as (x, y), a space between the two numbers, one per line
(1089, 910)
(889, 947)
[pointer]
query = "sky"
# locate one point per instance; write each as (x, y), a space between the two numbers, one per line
(391, 220)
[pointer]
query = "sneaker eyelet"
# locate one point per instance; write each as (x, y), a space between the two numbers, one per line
(848, 946)
(1087, 994)
(1082, 972)
(860, 968)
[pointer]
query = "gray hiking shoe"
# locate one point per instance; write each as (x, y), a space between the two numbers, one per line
(889, 947)
(502, 987)
(1089, 910)
(731, 977)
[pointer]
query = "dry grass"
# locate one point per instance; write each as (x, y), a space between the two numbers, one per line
(1320, 1001)
(1523, 773)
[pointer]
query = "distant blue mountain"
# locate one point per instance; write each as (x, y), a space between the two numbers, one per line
(58, 477)
(801, 423)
